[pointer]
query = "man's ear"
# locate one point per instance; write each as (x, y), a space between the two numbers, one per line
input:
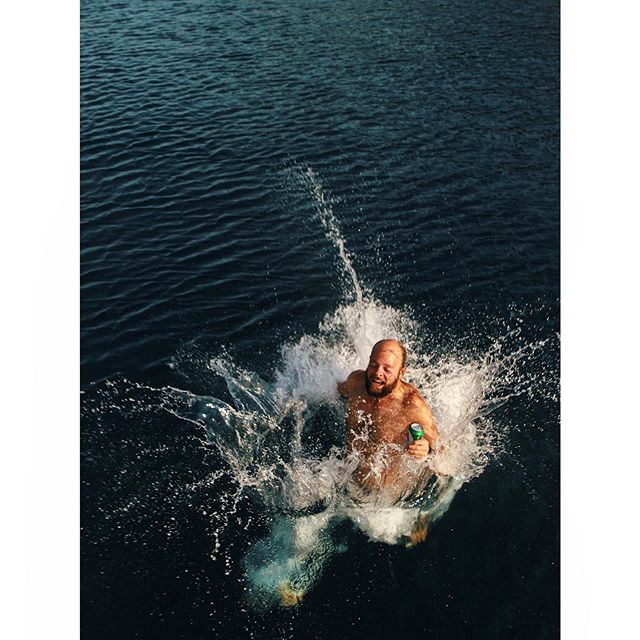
(403, 371)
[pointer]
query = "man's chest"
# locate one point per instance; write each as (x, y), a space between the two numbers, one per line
(385, 422)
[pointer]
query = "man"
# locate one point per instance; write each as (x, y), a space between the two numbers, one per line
(380, 408)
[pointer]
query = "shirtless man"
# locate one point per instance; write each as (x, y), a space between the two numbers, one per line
(380, 408)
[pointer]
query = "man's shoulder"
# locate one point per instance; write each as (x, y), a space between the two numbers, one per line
(352, 384)
(412, 395)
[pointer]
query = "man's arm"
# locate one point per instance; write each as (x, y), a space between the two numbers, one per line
(350, 387)
(346, 388)
(420, 412)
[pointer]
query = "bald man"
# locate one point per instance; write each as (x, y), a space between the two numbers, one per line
(380, 408)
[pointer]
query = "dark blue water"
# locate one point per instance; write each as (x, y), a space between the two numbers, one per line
(433, 130)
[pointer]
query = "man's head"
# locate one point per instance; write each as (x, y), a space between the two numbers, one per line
(386, 365)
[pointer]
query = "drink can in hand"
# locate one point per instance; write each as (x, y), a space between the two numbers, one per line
(416, 431)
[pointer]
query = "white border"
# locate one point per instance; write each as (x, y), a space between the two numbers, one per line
(39, 480)
(599, 318)
(40, 320)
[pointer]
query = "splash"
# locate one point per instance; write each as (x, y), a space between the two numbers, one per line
(278, 440)
(324, 210)
(282, 440)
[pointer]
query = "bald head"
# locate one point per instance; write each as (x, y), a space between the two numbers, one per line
(390, 345)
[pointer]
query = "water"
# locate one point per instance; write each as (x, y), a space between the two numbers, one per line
(266, 191)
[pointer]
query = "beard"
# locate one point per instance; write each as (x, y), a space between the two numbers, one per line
(380, 391)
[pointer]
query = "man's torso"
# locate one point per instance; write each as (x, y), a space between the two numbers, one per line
(372, 422)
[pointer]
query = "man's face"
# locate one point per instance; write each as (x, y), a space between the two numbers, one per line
(383, 372)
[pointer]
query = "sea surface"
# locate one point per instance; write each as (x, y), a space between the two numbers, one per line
(267, 188)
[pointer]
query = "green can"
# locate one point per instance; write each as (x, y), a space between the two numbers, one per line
(416, 431)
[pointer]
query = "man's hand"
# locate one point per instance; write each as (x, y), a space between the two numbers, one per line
(418, 449)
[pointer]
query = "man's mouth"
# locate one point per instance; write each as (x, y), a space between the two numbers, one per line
(377, 387)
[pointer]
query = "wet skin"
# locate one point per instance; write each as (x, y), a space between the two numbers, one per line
(380, 407)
